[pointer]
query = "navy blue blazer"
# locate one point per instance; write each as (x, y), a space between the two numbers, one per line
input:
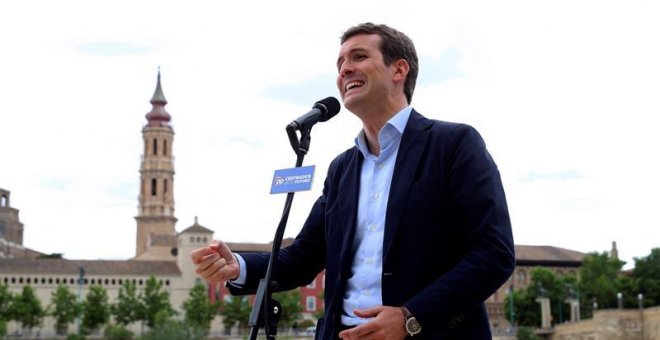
(447, 244)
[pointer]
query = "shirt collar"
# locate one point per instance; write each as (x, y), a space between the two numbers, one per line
(391, 130)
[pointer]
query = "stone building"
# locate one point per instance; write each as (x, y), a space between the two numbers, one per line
(561, 261)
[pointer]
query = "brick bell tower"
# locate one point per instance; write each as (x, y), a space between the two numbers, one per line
(156, 235)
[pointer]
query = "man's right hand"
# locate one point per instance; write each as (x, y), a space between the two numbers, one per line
(215, 263)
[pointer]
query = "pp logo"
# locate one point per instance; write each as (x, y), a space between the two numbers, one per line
(279, 180)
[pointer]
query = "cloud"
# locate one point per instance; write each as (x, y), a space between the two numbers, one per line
(440, 69)
(113, 48)
(60, 184)
(566, 175)
(244, 141)
(125, 190)
(304, 92)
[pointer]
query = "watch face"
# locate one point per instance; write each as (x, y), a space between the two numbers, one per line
(412, 326)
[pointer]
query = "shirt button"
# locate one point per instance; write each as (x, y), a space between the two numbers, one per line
(375, 196)
(380, 165)
(366, 292)
(372, 227)
(370, 260)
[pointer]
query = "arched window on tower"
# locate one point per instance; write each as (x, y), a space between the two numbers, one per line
(165, 186)
(3, 201)
(153, 187)
(155, 146)
(165, 147)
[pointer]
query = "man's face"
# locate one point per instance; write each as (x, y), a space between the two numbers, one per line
(364, 81)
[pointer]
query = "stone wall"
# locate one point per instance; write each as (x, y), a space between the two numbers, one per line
(614, 324)
(652, 323)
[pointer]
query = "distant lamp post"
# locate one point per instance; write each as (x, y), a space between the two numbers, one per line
(640, 300)
(619, 297)
(512, 312)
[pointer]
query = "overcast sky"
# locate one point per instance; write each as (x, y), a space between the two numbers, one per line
(565, 93)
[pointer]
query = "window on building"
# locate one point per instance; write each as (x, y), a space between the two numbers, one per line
(165, 186)
(165, 147)
(153, 187)
(3, 201)
(155, 146)
(311, 304)
(3, 229)
(192, 239)
(521, 276)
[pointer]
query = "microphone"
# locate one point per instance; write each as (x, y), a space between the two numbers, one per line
(322, 110)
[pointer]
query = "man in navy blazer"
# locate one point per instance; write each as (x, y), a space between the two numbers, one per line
(412, 227)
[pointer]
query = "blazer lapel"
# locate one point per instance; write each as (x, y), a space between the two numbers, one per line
(350, 185)
(410, 153)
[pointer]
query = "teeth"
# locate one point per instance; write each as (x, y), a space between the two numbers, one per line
(354, 84)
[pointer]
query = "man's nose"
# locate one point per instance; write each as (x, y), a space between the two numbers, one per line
(346, 69)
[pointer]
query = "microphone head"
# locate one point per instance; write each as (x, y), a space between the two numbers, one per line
(329, 108)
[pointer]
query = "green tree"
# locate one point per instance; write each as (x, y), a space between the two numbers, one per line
(3, 328)
(6, 297)
(599, 280)
(321, 311)
(543, 282)
(118, 332)
(96, 310)
(128, 307)
(168, 329)
(647, 275)
(155, 300)
(526, 309)
(199, 310)
(26, 308)
(235, 310)
(64, 308)
(525, 333)
(291, 307)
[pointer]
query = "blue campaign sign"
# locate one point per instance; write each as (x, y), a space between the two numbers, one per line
(292, 180)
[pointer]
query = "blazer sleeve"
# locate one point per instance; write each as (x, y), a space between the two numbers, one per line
(477, 205)
(298, 264)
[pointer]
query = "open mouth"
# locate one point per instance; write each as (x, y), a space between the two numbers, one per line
(354, 84)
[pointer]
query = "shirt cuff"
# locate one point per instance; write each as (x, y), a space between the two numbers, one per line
(239, 282)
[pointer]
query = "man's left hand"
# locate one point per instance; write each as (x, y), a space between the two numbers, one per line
(387, 323)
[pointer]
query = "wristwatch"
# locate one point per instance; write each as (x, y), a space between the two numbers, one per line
(410, 322)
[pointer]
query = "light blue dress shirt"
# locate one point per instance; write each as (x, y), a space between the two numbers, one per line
(364, 287)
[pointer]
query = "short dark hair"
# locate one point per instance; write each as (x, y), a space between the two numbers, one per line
(394, 46)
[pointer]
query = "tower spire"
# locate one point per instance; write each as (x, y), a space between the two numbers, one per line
(158, 116)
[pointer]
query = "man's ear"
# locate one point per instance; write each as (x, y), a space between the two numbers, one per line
(401, 69)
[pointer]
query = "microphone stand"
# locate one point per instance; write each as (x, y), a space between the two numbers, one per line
(266, 311)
